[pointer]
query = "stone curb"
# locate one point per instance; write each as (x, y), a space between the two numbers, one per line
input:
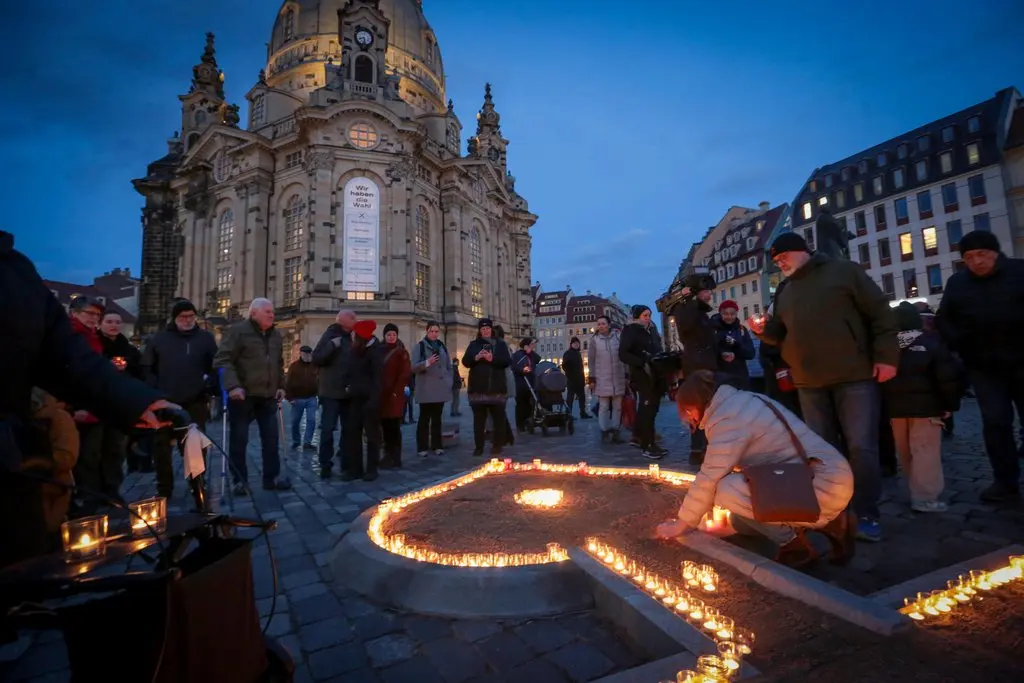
(457, 592)
(862, 611)
(893, 596)
(656, 631)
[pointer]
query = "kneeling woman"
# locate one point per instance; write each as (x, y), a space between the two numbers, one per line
(744, 431)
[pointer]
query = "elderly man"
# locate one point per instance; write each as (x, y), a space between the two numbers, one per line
(333, 355)
(838, 334)
(982, 318)
(252, 357)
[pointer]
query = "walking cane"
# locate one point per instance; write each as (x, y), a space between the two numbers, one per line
(225, 490)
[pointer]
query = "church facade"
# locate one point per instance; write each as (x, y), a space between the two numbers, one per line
(347, 188)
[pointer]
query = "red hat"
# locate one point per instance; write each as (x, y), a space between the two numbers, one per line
(364, 329)
(728, 303)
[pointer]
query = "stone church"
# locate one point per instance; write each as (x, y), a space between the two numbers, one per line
(347, 188)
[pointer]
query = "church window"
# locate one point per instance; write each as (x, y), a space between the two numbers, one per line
(294, 223)
(362, 70)
(292, 160)
(430, 51)
(289, 24)
(191, 140)
(225, 236)
(478, 191)
(422, 232)
(221, 167)
(422, 285)
(475, 260)
(200, 117)
(224, 279)
(453, 138)
(476, 295)
(258, 109)
(292, 280)
(363, 136)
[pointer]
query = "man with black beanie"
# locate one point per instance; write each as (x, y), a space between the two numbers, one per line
(178, 361)
(981, 317)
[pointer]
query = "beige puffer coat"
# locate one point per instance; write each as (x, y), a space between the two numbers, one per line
(743, 431)
(607, 372)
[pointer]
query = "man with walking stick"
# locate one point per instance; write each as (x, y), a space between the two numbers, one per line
(252, 357)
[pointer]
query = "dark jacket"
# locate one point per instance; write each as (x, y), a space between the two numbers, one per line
(928, 381)
(396, 368)
(521, 360)
(176, 362)
(572, 366)
(982, 318)
(252, 359)
(697, 334)
(120, 347)
(742, 346)
(833, 323)
(301, 380)
(636, 346)
(40, 350)
(366, 373)
(487, 383)
(333, 354)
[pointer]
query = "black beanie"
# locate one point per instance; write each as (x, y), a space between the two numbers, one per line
(485, 322)
(638, 310)
(181, 306)
(788, 241)
(978, 239)
(908, 317)
(391, 327)
(574, 340)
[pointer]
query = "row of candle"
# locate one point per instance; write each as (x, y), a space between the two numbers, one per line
(86, 538)
(733, 643)
(962, 590)
(653, 471)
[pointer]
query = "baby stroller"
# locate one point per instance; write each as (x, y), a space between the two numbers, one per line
(549, 408)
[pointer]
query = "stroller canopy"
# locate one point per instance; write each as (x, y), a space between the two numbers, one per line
(551, 379)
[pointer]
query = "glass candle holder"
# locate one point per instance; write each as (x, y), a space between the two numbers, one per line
(148, 516)
(708, 578)
(711, 616)
(730, 654)
(697, 610)
(725, 628)
(688, 676)
(84, 538)
(689, 572)
(744, 639)
(712, 666)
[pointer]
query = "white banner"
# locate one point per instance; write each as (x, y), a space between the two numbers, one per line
(361, 258)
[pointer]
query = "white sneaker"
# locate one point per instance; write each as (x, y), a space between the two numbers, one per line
(928, 506)
(439, 452)
(423, 454)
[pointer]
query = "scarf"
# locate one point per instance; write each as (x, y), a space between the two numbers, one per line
(435, 346)
(907, 337)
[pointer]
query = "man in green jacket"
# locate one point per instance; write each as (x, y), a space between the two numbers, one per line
(837, 332)
(252, 358)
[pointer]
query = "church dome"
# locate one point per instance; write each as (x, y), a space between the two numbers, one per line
(305, 38)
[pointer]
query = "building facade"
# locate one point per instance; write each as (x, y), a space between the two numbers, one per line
(909, 200)
(348, 188)
(549, 320)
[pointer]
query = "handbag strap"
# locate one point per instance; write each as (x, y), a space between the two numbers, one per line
(800, 450)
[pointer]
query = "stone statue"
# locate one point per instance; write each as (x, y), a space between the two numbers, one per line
(832, 239)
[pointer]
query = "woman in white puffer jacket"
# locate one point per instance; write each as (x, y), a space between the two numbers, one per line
(743, 431)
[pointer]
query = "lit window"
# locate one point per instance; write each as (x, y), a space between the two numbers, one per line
(906, 246)
(921, 170)
(858, 192)
(475, 253)
(974, 124)
(360, 296)
(225, 236)
(294, 223)
(840, 199)
(910, 283)
(422, 232)
(973, 154)
(877, 185)
(935, 279)
(363, 136)
(946, 162)
(808, 212)
(898, 178)
(476, 294)
(292, 280)
(931, 241)
(822, 200)
(422, 285)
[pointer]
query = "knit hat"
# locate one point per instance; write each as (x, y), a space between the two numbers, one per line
(182, 306)
(485, 322)
(80, 303)
(638, 310)
(978, 239)
(525, 341)
(908, 317)
(574, 340)
(728, 303)
(390, 327)
(788, 241)
(697, 390)
(364, 329)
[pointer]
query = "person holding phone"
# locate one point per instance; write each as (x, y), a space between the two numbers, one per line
(487, 360)
(432, 368)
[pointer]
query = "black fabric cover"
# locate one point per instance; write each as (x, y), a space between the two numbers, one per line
(553, 381)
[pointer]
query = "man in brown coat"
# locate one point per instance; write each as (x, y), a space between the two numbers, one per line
(300, 387)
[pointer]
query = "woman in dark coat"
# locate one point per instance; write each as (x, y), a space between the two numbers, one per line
(396, 368)
(524, 363)
(487, 359)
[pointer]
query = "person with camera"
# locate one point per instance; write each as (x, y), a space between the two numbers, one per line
(487, 359)
(638, 345)
(699, 338)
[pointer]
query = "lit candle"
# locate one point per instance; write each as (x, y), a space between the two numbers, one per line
(536, 463)
(712, 666)
(730, 654)
(725, 628)
(654, 471)
(148, 516)
(84, 538)
(508, 464)
(744, 640)
(711, 618)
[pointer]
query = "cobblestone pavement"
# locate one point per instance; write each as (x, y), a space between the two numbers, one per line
(336, 635)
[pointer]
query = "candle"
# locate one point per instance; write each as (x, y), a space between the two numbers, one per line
(744, 640)
(654, 471)
(148, 516)
(508, 464)
(84, 538)
(688, 676)
(725, 628)
(120, 363)
(730, 654)
(712, 666)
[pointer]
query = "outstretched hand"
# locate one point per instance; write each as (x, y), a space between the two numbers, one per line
(149, 420)
(672, 529)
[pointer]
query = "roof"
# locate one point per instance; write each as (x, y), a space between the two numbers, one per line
(66, 291)
(1015, 138)
(559, 299)
(745, 239)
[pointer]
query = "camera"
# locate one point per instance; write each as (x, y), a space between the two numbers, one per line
(666, 363)
(699, 280)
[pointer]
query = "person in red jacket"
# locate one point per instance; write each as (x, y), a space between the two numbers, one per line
(397, 369)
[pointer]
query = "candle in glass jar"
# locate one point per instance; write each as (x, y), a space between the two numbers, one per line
(120, 363)
(84, 538)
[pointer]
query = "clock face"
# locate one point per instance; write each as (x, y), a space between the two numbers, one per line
(493, 154)
(364, 37)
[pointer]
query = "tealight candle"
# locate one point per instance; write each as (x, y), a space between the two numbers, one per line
(654, 471)
(688, 676)
(712, 666)
(689, 571)
(744, 639)
(730, 654)
(711, 618)
(725, 628)
(913, 609)
(84, 538)
(148, 516)
(696, 609)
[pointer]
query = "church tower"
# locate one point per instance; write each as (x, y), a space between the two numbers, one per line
(204, 104)
(488, 142)
(363, 35)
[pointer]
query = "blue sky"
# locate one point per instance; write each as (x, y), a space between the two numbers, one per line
(633, 125)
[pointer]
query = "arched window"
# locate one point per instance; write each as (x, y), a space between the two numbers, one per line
(289, 24)
(258, 110)
(475, 259)
(294, 223)
(200, 117)
(362, 70)
(191, 140)
(225, 236)
(422, 232)
(221, 167)
(453, 138)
